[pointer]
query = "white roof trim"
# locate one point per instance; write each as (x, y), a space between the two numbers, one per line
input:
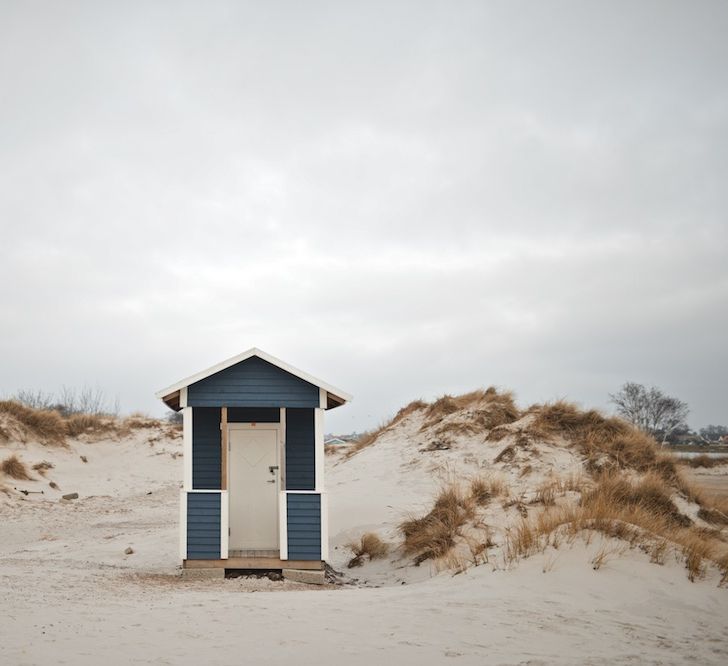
(244, 356)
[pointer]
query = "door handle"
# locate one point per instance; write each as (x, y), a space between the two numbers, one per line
(272, 468)
(271, 481)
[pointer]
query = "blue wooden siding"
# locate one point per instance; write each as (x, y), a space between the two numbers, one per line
(206, 465)
(252, 383)
(254, 415)
(300, 450)
(304, 527)
(203, 526)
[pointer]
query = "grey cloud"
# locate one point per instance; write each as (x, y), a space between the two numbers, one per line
(404, 198)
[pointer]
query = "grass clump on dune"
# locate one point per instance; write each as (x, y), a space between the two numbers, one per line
(483, 490)
(369, 546)
(51, 427)
(48, 425)
(435, 534)
(606, 442)
(488, 409)
(703, 460)
(15, 469)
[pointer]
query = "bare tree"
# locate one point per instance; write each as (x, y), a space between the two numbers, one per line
(650, 409)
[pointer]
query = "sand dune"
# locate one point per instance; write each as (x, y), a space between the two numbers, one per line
(70, 594)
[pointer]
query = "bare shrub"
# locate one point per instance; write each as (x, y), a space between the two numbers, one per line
(368, 546)
(434, 534)
(15, 469)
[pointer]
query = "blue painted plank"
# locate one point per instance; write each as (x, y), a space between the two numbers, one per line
(304, 531)
(253, 383)
(203, 526)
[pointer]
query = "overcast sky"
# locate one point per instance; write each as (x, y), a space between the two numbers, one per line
(403, 198)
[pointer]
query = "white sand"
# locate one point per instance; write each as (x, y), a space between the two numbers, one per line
(70, 595)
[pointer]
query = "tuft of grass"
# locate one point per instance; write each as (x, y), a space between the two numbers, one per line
(696, 550)
(484, 489)
(488, 410)
(47, 425)
(713, 515)
(607, 443)
(703, 460)
(368, 546)
(15, 469)
(433, 535)
(80, 424)
(723, 566)
(658, 550)
(43, 467)
(649, 494)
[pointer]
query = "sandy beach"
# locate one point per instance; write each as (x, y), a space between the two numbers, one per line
(71, 595)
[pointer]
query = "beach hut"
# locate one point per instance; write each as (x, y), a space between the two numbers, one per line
(253, 494)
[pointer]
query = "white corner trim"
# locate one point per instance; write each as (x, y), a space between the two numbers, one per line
(323, 398)
(244, 356)
(324, 526)
(183, 397)
(283, 524)
(282, 450)
(224, 524)
(187, 447)
(319, 448)
(182, 524)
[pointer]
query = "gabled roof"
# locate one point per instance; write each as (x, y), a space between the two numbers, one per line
(170, 395)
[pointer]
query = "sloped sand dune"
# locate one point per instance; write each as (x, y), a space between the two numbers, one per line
(71, 595)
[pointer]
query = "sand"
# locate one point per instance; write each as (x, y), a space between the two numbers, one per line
(70, 595)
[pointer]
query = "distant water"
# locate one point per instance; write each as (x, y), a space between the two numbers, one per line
(693, 454)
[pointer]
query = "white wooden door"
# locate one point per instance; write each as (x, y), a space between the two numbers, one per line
(253, 489)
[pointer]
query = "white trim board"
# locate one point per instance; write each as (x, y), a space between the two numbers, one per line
(224, 524)
(324, 526)
(183, 383)
(283, 524)
(182, 524)
(187, 448)
(319, 453)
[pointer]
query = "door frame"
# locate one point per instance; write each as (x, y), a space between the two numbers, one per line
(280, 457)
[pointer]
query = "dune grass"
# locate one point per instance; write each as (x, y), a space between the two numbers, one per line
(43, 467)
(368, 546)
(15, 469)
(484, 489)
(485, 409)
(51, 428)
(703, 460)
(47, 425)
(434, 534)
